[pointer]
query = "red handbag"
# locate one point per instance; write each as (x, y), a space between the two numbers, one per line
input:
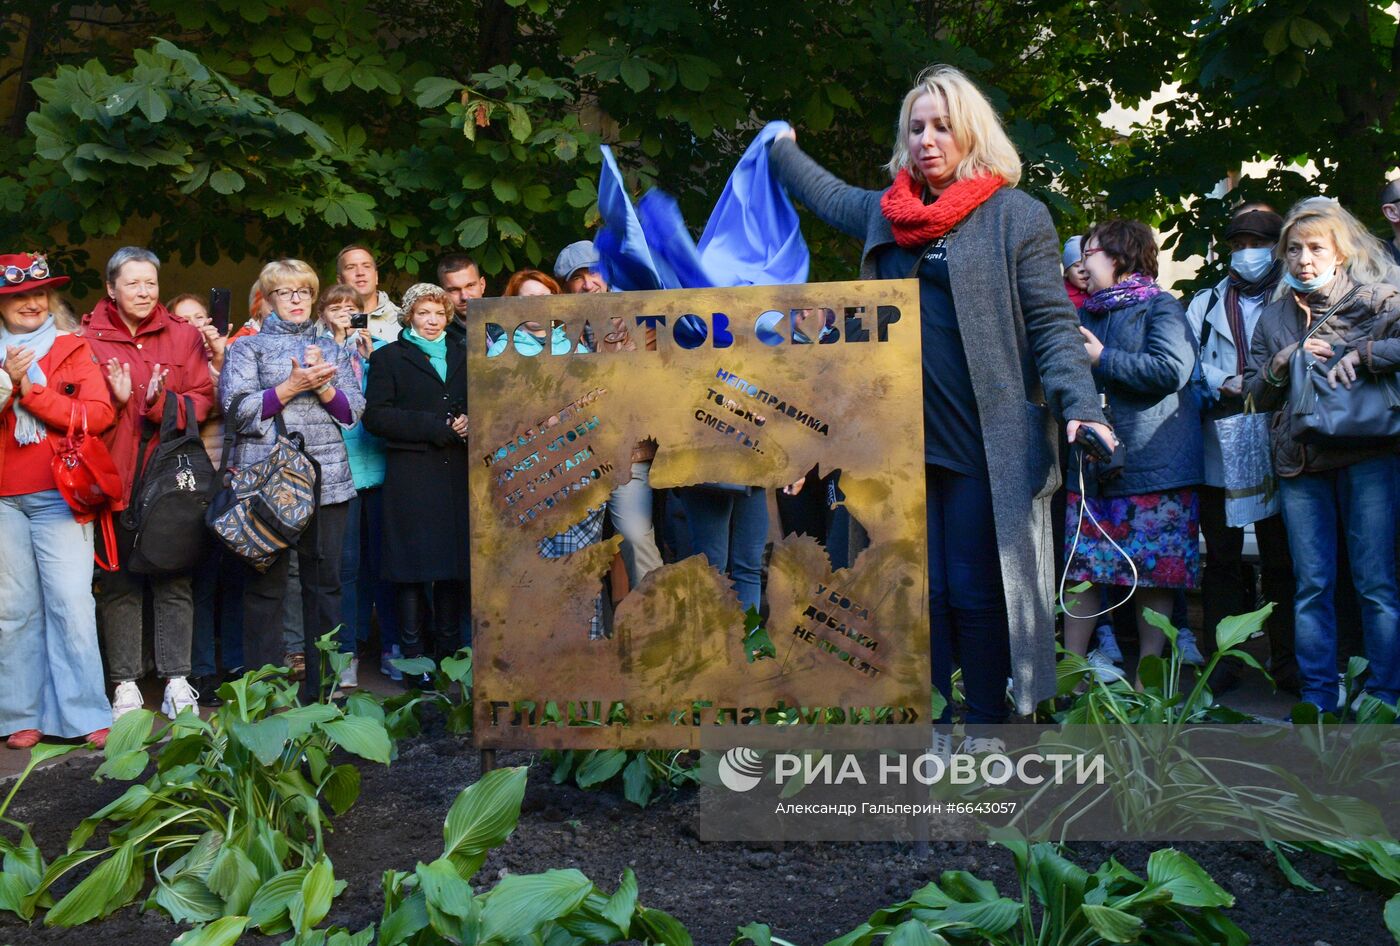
(88, 480)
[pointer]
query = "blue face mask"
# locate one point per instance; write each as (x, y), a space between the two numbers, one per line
(1310, 285)
(1252, 263)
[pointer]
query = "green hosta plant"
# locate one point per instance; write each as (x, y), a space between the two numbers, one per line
(435, 904)
(1166, 696)
(1060, 904)
(233, 812)
(449, 689)
(643, 774)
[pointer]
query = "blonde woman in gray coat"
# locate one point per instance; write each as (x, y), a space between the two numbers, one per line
(1002, 356)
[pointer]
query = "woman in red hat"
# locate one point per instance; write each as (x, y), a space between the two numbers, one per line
(50, 672)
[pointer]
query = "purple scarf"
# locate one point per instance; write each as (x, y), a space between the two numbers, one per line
(1133, 289)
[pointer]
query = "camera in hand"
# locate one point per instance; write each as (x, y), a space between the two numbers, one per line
(1101, 463)
(359, 320)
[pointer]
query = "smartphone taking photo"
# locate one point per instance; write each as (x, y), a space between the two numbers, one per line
(219, 304)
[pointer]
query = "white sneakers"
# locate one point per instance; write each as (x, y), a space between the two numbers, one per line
(350, 676)
(127, 698)
(983, 745)
(179, 696)
(1103, 668)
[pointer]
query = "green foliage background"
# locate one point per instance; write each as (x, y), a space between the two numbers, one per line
(237, 128)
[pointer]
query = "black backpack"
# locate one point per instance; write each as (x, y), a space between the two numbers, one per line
(170, 496)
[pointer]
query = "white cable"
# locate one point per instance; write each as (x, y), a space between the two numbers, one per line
(1069, 559)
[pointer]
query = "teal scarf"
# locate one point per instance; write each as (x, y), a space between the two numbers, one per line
(436, 351)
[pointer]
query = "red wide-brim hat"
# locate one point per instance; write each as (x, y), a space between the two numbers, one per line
(23, 264)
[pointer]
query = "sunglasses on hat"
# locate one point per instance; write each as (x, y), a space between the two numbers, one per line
(38, 269)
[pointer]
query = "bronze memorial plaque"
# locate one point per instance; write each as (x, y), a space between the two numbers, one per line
(752, 386)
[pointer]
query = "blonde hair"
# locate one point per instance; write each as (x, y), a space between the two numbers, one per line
(287, 273)
(424, 292)
(1363, 255)
(975, 125)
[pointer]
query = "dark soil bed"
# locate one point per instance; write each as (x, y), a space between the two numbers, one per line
(808, 893)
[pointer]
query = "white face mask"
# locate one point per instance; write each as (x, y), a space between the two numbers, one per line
(1252, 263)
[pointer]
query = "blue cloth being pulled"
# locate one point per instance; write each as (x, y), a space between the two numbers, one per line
(752, 237)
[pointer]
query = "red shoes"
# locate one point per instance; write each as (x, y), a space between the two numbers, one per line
(29, 738)
(24, 739)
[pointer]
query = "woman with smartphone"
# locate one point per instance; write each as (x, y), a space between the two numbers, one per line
(363, 590)
(416, 401)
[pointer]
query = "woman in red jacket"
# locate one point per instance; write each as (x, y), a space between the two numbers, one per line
(50, 672)
(147, 355)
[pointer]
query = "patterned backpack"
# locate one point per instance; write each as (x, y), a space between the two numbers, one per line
(265, 506)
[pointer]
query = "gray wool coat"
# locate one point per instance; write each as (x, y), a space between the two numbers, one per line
(1027, 360)
(258, 362)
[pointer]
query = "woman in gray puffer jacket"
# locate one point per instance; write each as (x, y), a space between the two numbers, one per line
(286, 371)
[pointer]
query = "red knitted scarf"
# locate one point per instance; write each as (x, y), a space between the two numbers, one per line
(916, 223)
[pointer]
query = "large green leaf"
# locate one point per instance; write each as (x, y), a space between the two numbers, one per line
(342, 787)
(131, 731)
(620, 906)
(601, 765)
(661, 928)
(521, 903)
(1188, 882)
(434, 91)
(405, 920)
(1392, 916)
(1114, 925)
(273, 899)
(224, 932)
(265, 739)
(317, 891)
(359, 736)
(94, 894)
(914, 933)
(234, 878)
(452, 907)
(188, 900)
(484, 814)
(637, 781)
(1238, 628)
(124, 767)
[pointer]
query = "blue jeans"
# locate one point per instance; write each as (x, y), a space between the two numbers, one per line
(967, 608)
(731, 529)
(1358, 502)
(361, 589)
(50, 671)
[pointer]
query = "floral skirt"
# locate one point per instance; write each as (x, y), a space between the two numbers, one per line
(1160, 532)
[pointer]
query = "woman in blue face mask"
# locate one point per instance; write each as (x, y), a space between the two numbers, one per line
(1223, 320)
(1331, 490)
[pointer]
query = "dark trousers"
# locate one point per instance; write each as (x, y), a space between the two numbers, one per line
(218, 614)
(318, 554)
(121, 605)
(967, 608)
(363, 592)
(1227, 587)
(430, 617)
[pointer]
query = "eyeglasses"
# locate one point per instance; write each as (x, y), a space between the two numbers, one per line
(39, 269)
(291, 295)
(1088, 253)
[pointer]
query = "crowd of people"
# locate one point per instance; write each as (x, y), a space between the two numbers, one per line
(1079, 420)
